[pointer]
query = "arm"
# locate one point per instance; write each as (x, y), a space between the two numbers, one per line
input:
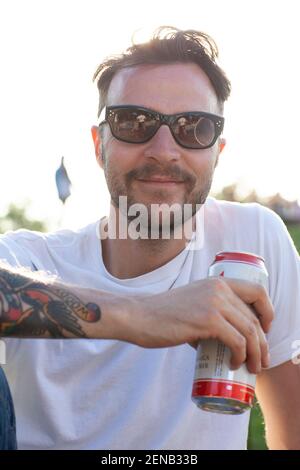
(278, 391)
(278, 388)
(31, 306)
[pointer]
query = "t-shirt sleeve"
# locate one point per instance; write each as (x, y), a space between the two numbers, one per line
(283, 265)
(12, 254)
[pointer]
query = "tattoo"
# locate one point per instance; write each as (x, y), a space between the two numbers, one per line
(29, 308)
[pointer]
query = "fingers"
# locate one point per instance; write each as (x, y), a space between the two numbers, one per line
(242, 312)
(254, 294)
(245, 321)
(248, 309)
(264, 347)
(234, 340)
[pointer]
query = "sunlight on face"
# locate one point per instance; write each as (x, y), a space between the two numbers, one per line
(129, 167)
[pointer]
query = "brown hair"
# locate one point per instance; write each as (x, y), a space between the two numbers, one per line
(168, 45)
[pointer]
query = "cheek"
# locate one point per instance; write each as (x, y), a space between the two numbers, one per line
(119, 157)
(203, 163)
(114, 167)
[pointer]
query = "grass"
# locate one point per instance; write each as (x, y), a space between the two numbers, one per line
(294, 230)
(256, 437)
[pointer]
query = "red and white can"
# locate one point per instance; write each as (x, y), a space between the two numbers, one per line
(216, 387)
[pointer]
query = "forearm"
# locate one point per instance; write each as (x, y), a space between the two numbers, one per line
(33, 307)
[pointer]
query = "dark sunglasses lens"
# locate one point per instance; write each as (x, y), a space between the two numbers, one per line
(133, 125)
(194, 131)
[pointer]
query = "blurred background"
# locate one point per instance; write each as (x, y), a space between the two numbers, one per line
(49, 52)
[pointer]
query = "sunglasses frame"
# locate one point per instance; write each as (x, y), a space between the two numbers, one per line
(167, 119)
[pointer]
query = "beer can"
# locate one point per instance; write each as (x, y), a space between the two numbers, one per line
(216, 387)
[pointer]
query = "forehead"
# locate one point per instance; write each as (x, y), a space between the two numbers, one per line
(168, 88)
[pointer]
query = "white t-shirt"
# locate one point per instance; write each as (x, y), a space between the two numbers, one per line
(107, 394)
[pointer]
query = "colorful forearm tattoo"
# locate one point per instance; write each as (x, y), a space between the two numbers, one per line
(29, 308)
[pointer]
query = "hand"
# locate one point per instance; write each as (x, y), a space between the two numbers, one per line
(236, 312)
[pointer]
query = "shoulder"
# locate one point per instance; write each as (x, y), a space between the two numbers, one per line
(63, 237)
(233, 208)
(243, 226)
(29, 245)
(236, 211)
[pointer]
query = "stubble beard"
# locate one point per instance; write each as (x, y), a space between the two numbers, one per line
(193, 198)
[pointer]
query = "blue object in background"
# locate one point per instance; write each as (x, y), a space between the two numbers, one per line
(63, 182)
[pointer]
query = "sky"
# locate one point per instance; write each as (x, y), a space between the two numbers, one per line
(48, 102)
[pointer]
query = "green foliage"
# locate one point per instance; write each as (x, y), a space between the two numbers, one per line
(256, 437)
(16, 218)
(294, 230)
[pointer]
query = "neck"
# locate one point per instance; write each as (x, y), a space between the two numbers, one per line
(125, 257)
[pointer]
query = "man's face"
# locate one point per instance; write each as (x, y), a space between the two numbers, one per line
(129, 167)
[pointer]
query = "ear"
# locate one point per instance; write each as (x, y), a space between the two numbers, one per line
(222, 143)
(97, 144)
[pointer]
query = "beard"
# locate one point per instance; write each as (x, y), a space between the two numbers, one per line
(195, 195)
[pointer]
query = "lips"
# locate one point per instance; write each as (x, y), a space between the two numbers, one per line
(160, 180)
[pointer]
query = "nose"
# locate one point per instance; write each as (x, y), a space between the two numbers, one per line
(162, 146)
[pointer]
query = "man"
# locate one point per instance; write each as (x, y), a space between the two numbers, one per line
(143, 301)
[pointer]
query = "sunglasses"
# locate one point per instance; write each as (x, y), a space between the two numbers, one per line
(137, 125)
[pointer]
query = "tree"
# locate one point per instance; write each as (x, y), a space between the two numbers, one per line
(16, 218)
(228, 193)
